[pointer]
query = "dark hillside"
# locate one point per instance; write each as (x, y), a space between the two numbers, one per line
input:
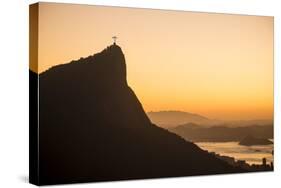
(93, 128)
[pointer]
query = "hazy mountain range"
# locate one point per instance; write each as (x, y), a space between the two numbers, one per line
(196, 133)
(169, 119)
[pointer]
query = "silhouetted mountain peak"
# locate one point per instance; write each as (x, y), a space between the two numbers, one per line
(99, 82)
(92, 122)
(114, 63)
(108, 66)
(112, 51)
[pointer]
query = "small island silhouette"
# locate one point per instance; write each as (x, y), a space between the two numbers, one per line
(251, 141)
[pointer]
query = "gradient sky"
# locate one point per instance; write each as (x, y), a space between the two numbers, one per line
(217, 65)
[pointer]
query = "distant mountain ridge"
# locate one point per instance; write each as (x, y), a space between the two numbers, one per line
(94, 128)
(198, 133)
(174, 118)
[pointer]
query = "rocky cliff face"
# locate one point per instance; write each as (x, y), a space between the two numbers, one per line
(93, 89)
(93, 128)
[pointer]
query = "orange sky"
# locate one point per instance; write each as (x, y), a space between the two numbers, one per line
(217, 65)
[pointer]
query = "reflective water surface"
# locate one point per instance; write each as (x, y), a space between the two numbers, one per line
(251, 154)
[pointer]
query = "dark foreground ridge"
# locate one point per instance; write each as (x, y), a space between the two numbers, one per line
(93, 128)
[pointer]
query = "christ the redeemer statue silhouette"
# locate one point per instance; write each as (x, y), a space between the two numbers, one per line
(114, 40)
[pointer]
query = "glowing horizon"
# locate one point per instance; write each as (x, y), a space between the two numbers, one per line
(216, 65)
